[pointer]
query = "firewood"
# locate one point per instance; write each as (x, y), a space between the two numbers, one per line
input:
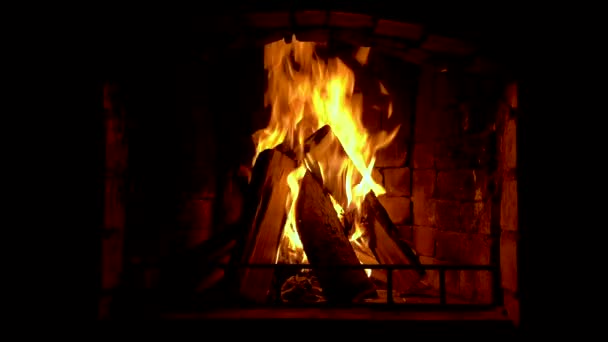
(325, 244)
(266, 217)
(387, 248)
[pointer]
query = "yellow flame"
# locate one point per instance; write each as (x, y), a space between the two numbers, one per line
(305, 93)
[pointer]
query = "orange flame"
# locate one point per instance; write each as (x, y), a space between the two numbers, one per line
(305, 93)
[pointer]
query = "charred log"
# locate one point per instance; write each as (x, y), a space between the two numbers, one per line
(325, 244)
(386, 247)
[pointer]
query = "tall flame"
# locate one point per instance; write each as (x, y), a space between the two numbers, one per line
(306, 92)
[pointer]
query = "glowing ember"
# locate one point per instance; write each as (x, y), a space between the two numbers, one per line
(306, 92)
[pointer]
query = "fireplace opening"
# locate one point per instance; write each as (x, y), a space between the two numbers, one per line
(327, 165)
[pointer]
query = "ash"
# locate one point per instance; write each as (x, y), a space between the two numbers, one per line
(302, 288)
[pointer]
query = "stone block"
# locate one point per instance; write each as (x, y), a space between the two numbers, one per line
(424, 240)
(114, 203)
(476, 249)
(446, 215)
(508, 206)
(112, 260)
(422, 191)
(463, 185)
(377, 176)
(355, 37)
(398, 208)
(406, 233)
(316, 35)
(350, 20)
(413, 55)
(463, 248)
(476, 217)
(511, 306)
(448, 45)
(399, 29)
(116, 146)
(484, 287)
(311, 18)
(423, 156)
(452, 283)
(508, 260)
(196, 220)
(510, 144)
(397, 181)
(473, 152)
(450, 246)
(388, 44)
(467, 284)
(269, 19)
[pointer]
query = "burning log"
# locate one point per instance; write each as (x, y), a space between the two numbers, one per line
(325, 244)
(269, 193)
(385, 246)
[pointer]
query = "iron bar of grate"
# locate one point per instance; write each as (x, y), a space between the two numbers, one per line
(389, 268)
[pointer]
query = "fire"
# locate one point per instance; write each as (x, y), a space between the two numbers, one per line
(306, 92)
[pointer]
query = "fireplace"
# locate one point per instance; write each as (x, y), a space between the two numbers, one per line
(182, 104)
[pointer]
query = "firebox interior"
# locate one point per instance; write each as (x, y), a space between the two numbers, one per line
(429, 132)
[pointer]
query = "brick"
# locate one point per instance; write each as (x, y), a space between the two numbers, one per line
(462, 248)
(112, 260)
(405, 30)
(446, 215)
(406, 233)
(388, 44)
(508, 206)
(398, 208)
(318, 35)
(476, 217)
(422, 190)
(116, 146)
(464, 185)
(412, 55)
(397, 181)
(432, 278)
(114, 203)
(476, 249)
(423, 156)
(483, 287)
(356, 37)
(449, 246)
(511, 306)
(394, 155)
(467, 284)
(510, 144)
(196, 219)
(448, 45)
(311, 18)
(452, 283)
(508, 261)
(350, 20)
(470, 153)
(424, 240)
(377, 176)
(269, 19)
(423, 184)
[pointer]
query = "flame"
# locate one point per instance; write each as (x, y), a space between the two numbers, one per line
(306, 92)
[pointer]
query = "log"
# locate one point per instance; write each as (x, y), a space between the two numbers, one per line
(325, 244)
(266, 217)
(387, 248)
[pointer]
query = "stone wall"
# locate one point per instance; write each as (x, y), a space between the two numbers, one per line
(508, 221)
(453, 177)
